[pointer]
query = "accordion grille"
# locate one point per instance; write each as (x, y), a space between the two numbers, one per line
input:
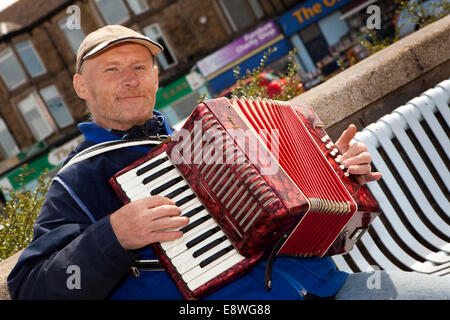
(228, 175)
(297, 152)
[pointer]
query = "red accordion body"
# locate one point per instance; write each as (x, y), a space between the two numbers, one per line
(246, 172)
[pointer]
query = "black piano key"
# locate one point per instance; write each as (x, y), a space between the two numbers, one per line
(202, 237)
(177, 191)
(184, 200)
(157, 174)
(166, 185)
(195, 224)
(193, 211)
(215, 256)
(209, 246)
(151, 166)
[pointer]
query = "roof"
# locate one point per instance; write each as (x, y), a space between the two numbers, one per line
(25, 14)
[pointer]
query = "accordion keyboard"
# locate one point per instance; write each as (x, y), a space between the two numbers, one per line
(204, 251)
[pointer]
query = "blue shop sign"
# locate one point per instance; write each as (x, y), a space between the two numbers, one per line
(227, 78)
(307, 13)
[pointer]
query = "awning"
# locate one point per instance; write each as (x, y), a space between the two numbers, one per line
(356, 9)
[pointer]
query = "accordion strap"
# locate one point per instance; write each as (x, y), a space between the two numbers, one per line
(271, 260)
(110, 146)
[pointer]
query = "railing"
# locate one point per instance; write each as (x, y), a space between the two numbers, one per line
(410, 147)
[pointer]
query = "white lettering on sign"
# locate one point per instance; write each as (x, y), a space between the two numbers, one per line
(57, 156)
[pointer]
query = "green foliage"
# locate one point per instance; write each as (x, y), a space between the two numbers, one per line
(251, 84)
(19, 214)
(415, 12)
(374, 44)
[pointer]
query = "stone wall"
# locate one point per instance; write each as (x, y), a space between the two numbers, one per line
(367, 90)
(380, 83)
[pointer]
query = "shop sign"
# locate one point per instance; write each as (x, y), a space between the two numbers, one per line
(238, 48)
(172, 92)
(30, 151)
(35, 168)
(307, 13)
(58, 155)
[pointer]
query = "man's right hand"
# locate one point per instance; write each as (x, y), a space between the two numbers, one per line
(146, 221)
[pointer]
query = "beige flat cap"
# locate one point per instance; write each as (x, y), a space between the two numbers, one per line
(107, 36)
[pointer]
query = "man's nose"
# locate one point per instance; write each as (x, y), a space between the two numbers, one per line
(130, 78)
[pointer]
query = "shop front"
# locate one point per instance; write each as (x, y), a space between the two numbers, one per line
(321, 37)
(27, 175)
(179, 98)
(246, 53)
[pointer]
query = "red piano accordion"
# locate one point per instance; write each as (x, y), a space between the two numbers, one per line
(257, 178)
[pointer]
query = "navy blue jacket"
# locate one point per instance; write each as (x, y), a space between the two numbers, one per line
(73, 229)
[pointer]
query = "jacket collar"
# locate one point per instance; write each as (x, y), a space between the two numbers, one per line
(97, 134)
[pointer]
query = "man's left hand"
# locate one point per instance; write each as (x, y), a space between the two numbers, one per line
(355, 157)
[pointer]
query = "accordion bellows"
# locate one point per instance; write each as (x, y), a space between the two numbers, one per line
(248, 172)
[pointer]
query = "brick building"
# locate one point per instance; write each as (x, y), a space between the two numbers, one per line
(38, 49)
(39, 109)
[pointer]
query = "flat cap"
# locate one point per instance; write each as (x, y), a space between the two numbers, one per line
(107, 36)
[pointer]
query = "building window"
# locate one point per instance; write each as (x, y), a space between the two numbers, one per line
(36, 116)
(113, 11)
(166, 59)
(73, 36)
(56, 106)
(8, 146)
(314, 42)
(12, 73)
(138, 6)
(241, 14)
(30, 58)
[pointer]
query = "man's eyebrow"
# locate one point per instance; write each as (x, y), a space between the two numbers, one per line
(119, 61)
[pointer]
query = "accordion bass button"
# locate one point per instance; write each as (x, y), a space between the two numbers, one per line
(321, 205)
(330, 207)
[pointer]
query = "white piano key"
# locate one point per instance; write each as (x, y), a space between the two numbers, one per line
(140, 188)
(172, 188)
(197, 269)
(190, 205)
(186, 261)
(132, 173)
(182, 195)
(186, 236)
(145, 189)
(180, 247)
(138, 193)
(200, 276)
(139, 179)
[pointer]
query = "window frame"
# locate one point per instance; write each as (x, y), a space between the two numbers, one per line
(132, 11)
(167, 46)
(58, 95)
(44, 71)
(62, 24)
(42, 111)
(231, 20)
(104, 18)
(24, 72)
(15, 150)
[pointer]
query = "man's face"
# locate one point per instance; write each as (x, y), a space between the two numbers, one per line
(119, 85)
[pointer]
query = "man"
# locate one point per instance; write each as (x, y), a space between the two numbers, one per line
(86, 242)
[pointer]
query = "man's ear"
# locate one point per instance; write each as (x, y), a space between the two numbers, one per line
(155, 69)
(79, 84)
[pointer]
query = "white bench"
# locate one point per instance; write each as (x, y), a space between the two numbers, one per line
(410, 148)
